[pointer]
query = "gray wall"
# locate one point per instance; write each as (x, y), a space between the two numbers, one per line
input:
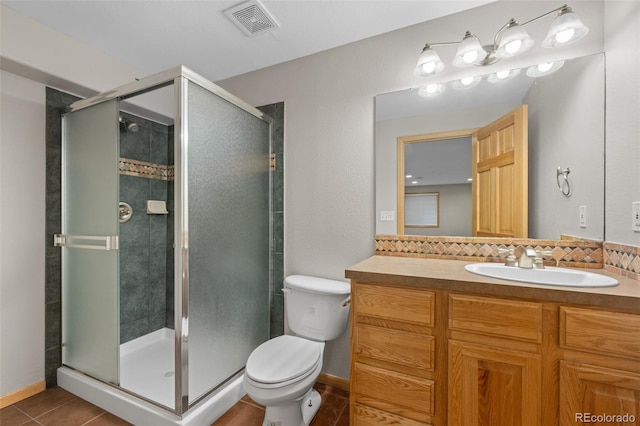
(622, 44)
(330, 181)
(566, 129)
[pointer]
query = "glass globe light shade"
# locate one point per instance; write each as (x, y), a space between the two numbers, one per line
(469, 52)
(514, 41)
(567, 28)
(546, 68)
(429, 63)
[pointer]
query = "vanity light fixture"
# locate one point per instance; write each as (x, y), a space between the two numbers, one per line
(466, 82)
(544, 69)
(510, 40)
(432, 89)
(502, 76)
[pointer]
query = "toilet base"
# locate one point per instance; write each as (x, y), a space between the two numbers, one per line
(298, 413)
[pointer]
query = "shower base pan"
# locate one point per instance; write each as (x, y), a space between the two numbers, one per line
(141, 363)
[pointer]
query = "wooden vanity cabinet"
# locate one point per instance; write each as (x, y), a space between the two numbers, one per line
(434, 357)
(494, 361)
(393, 346)
(600, 371)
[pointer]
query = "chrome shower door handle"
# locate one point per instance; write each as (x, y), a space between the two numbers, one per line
(96, 242)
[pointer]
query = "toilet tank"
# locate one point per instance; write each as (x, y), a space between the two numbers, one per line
(317, 308)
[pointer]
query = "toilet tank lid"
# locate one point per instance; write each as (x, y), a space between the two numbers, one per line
(317, 285)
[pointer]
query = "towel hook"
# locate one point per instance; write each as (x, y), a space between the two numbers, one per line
(564, 184)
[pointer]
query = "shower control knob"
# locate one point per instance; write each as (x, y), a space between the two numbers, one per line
(126, 211)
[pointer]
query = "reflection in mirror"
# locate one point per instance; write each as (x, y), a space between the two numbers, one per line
(425, 172)
(566, 129)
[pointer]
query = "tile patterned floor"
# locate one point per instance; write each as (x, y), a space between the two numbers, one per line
(56, 406)
(334, 410)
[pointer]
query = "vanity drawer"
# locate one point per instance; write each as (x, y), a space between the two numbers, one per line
(499, 317)
(395, 346)
(603, 332)
(368, 416)
(394, 303)
(393, 392)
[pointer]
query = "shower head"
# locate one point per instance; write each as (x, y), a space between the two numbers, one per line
(133, 126)
(128, 125)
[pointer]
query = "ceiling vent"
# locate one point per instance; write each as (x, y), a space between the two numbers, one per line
(252, 18)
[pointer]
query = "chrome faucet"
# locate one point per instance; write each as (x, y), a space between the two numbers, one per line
(511, 258)
(530, 258)
(533, 259)
(527, 259)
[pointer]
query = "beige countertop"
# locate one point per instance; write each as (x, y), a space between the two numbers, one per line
(441, 274)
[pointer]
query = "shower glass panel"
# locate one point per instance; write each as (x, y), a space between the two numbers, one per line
(90, 295)
(196, 277)
(229, 232)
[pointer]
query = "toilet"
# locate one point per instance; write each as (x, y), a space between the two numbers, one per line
(281, 372)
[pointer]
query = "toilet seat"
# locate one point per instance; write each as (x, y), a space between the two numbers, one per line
(283, 360)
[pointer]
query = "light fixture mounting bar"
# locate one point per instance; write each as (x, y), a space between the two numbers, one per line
(559, 9)
(442, 43)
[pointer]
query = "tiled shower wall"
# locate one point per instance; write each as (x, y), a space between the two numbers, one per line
(56, 102)
(147, 145)
(145, 240)
(276, 112)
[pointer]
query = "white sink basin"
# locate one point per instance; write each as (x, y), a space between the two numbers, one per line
(546, 276)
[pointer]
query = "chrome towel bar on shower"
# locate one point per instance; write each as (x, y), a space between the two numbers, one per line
(109, 242)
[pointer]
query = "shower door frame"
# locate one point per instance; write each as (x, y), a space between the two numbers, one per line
(180, 77)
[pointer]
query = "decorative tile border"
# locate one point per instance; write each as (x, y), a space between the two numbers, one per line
(144, 169)
(579, 253)
(622, 259)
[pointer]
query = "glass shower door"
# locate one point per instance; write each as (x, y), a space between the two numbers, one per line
(229, 237)
(89, 241)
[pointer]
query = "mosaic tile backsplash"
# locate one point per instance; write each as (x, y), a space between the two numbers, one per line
(130, 167)
(622, 259)
(566, 251)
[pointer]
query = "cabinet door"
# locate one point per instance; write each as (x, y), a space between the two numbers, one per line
(588, 392)
(492, 386)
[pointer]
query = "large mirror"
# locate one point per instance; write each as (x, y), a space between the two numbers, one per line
(428, 139)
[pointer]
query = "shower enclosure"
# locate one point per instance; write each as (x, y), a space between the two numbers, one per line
(165, 242)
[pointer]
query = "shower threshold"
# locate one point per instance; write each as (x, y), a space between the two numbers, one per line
(146, 367)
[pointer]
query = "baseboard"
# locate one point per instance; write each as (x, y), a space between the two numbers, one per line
(335, 381)
(20, 394)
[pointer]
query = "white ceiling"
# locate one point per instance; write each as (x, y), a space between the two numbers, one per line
(153, 35)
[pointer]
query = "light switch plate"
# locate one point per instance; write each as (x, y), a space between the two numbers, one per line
(387, 215)
(635, 220)
(582, 220)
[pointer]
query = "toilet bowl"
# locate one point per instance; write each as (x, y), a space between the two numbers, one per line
(281, 372)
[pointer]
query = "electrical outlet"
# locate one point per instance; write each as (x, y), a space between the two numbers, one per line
(582, 220)
(387, 215)
(635, 212)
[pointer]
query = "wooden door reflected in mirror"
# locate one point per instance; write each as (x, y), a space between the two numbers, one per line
(481, 181)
